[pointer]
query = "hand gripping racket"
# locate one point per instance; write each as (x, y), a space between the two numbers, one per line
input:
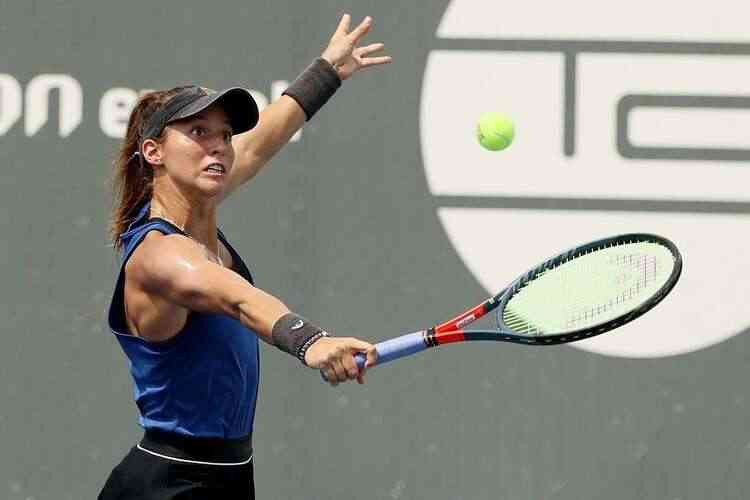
(580, 293)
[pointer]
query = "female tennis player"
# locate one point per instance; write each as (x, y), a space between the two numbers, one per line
(185, 309)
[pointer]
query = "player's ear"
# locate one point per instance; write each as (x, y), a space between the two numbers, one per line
(152, 152)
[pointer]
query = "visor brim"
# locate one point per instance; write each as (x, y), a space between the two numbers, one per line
(237, 102)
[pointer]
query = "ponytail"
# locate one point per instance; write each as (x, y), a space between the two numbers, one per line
(133, 177)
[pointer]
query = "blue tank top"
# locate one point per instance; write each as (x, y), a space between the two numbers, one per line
(204, 380)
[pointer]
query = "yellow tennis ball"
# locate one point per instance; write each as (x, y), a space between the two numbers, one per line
(495, 131)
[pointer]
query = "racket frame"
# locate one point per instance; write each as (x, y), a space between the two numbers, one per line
(452, 331)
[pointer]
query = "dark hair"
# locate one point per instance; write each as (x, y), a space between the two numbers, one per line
(132, 179)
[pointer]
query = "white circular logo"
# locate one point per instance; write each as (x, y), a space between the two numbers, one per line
(624, 123)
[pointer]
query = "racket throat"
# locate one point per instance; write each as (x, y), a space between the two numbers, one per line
(433, 338)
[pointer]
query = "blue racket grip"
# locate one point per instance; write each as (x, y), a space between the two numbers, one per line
(393, 349)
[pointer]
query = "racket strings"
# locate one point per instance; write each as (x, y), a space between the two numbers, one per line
(642, 267)
(588, 289)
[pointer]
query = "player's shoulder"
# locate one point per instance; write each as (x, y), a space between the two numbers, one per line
(159, 251)
(163, 244)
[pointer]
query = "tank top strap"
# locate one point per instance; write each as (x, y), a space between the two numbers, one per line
(239, 263)
(139, 228)
(143, 230)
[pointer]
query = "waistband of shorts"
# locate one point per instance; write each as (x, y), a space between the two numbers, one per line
(197, 450)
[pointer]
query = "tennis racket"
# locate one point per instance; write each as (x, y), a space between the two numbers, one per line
(580, 293)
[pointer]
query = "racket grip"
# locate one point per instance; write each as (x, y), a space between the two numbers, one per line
(393, 349)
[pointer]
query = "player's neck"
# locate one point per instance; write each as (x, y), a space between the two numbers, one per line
(194, 219)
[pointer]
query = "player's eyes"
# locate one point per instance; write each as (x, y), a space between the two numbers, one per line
(200, 131)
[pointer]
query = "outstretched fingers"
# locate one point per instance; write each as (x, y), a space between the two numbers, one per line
(369, 49)
(362, 54)
(375, 61)
(361, 30)
(343, 28)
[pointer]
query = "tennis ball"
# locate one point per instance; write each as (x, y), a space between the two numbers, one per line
(495, 131)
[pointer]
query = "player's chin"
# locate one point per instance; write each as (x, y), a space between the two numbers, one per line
(212, 184)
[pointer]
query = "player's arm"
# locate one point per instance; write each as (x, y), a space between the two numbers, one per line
(176, 269)
(305, 96)
(255, 148)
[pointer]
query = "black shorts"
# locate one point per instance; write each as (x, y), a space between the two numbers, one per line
(165, 466)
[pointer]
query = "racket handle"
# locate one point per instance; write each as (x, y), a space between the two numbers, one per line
(393, 349)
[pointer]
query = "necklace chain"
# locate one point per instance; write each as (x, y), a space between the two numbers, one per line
(215, 257)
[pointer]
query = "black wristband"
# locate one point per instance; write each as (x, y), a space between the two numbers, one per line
(291, 333)
(314, 86)
(307, 345)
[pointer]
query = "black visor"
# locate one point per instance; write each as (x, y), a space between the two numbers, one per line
(237, 102)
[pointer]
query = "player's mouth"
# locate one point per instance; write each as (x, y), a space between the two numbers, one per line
(216, 169)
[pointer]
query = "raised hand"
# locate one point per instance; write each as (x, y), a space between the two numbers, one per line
(343, 51)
